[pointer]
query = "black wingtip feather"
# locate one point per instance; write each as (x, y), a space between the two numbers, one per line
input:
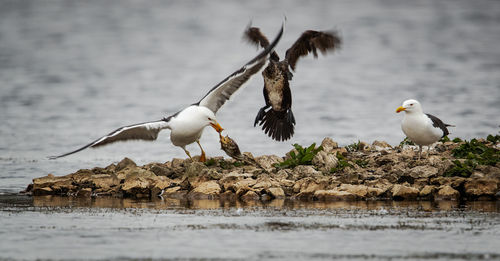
(278, 125)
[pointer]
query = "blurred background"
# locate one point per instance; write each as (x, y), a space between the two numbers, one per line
(72, 71)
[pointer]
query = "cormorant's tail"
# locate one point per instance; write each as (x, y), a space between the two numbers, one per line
(279, 125)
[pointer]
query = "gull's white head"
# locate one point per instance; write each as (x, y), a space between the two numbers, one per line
(208, 117)
(410, 106)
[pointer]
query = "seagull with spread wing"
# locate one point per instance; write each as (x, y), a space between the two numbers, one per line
(276, 117)
(186, 126)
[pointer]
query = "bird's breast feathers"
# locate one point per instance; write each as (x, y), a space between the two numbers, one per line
(274, 88)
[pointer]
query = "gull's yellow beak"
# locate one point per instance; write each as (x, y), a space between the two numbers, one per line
(217, 127)
(400, 109)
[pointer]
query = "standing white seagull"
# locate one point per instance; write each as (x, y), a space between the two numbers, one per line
(187, 125)
(422, 129)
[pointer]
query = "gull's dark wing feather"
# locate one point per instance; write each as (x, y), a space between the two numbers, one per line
(311, 41)
(141, 131)
(219, 94)
(438, 123)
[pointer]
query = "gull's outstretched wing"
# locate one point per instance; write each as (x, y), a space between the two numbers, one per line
(219, 94)
(141, 131)
(311, 41)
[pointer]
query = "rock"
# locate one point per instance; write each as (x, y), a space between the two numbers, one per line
(325, 161)
(276, 192)
(105, 181)
(427, 191)
(404, 192)
(42, 191)
(84, 193)
(250, 196)
(349, 177)
(454, 182)
(268, 161)
(359, 190)
(138, 182)
(481, 188)
(126, 162)
(162, 170)
(194, 169)
(446, 192)
(306, 187)
(161, 183)
(334, 195)
(381, 145)
(303, 171)
(329, 145)
(242, 184)
(423, 172)
(205, 190)
(386, 160)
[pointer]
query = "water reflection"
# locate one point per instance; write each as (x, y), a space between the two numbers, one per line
(168, 203)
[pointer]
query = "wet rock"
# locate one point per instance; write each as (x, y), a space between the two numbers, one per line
(126, 162)
(325, 161)
(105, 181)
(205, 190)
(276, 192)
(329, 145)
(404, 192)
(454, 182)
(359, 190)
(446, 192)
(244, 184)
(306, 187)
(334, 195)
(42, 191)
(250, 196)
(427, 192)
(84, 193)
(481, 188)
(160, 184)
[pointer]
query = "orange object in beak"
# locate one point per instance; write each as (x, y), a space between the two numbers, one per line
(400, 109)
(217, 127)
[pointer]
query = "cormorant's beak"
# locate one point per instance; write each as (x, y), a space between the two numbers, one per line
(217, 127)
(400, 109)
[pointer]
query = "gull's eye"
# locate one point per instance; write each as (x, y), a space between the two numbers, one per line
(411, 104)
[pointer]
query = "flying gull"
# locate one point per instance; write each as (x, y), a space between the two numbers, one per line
(422, 129)
(278, 121)
(186, 126)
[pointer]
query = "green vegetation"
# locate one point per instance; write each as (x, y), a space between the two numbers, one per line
(353, 147)
(457, 140)
(343, 163)
(444, 139)
(304, 156)
(475, 153)
(361, 163)
(406, 141)
(493, 139)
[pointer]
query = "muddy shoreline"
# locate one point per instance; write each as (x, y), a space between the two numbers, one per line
(356, 172)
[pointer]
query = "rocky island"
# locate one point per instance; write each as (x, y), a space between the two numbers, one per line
(453, 170)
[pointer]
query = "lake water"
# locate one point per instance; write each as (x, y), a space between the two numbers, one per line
(72, 71)
(114, 229)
